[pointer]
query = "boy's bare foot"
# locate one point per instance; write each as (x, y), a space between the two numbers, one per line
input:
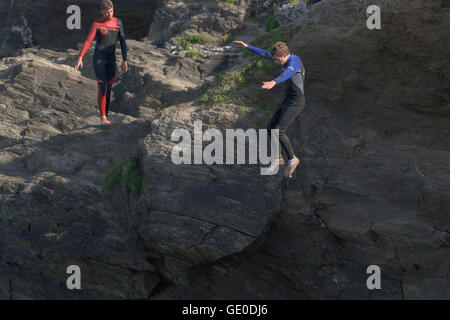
(105, 121)
(292, 164)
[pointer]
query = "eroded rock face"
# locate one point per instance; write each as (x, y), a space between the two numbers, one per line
(209, 17)
(200, 213)
(374, 139)
(373, 184)
(54, 212)
(43, 23)
(54, 208)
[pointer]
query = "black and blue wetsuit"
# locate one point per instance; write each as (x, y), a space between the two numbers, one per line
(106, 32)
(294, 100)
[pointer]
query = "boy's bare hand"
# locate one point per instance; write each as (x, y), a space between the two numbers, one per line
(124, 66)
(79, 64)
(268, 85)
(241, 43)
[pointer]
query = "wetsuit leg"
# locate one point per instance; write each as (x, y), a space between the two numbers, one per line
(288, 115)
(273, 123)
(100, 69)
(111, 72)
(108, 94)
(101, 97)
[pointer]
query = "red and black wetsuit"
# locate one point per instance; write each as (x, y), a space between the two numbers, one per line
(106, 32)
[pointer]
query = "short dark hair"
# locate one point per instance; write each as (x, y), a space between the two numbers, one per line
(280, 49)
(106, 4)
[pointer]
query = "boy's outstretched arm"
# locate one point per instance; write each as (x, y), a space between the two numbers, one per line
(258, 51)
(292, 67)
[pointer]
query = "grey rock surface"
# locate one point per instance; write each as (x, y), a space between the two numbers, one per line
(43, 23)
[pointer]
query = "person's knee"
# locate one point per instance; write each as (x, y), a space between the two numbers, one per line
(102, 85)
(281, 131)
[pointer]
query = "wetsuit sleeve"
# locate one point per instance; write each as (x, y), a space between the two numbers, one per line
(123, 42)
(89, 40)
(293, 65)
(260, 52)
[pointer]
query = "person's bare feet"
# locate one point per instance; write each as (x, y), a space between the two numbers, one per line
(105, 121)
(292, 164)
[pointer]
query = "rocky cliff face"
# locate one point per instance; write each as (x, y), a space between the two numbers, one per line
(372, 188)
(42, 23)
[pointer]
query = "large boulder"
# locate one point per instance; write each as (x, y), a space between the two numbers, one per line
(201, 213)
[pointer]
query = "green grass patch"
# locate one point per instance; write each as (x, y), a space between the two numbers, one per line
(244, 111)
(294, 2)
(125, 172)
(114, 176)
(229, 85)
(204, 99)
(194, 54)
(271, 23)
(132, 177)
(219, 96)
(226, 3)
(226, 84)
(235, 80)
(188, 40)
(257, 64)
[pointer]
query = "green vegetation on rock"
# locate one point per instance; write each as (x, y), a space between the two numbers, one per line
(196, 55)
(226, 3)
(231, 82)
(271, 23)
(244, 110)
(188, 40)
(127, 173)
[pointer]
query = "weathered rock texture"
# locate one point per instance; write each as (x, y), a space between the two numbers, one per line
(209, 17)
(42, 23)
(373, 187)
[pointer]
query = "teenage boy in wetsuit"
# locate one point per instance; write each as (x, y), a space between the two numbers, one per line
(106, 31)
(294, 100)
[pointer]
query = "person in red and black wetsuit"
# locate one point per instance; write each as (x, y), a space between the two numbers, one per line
(106, 31)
